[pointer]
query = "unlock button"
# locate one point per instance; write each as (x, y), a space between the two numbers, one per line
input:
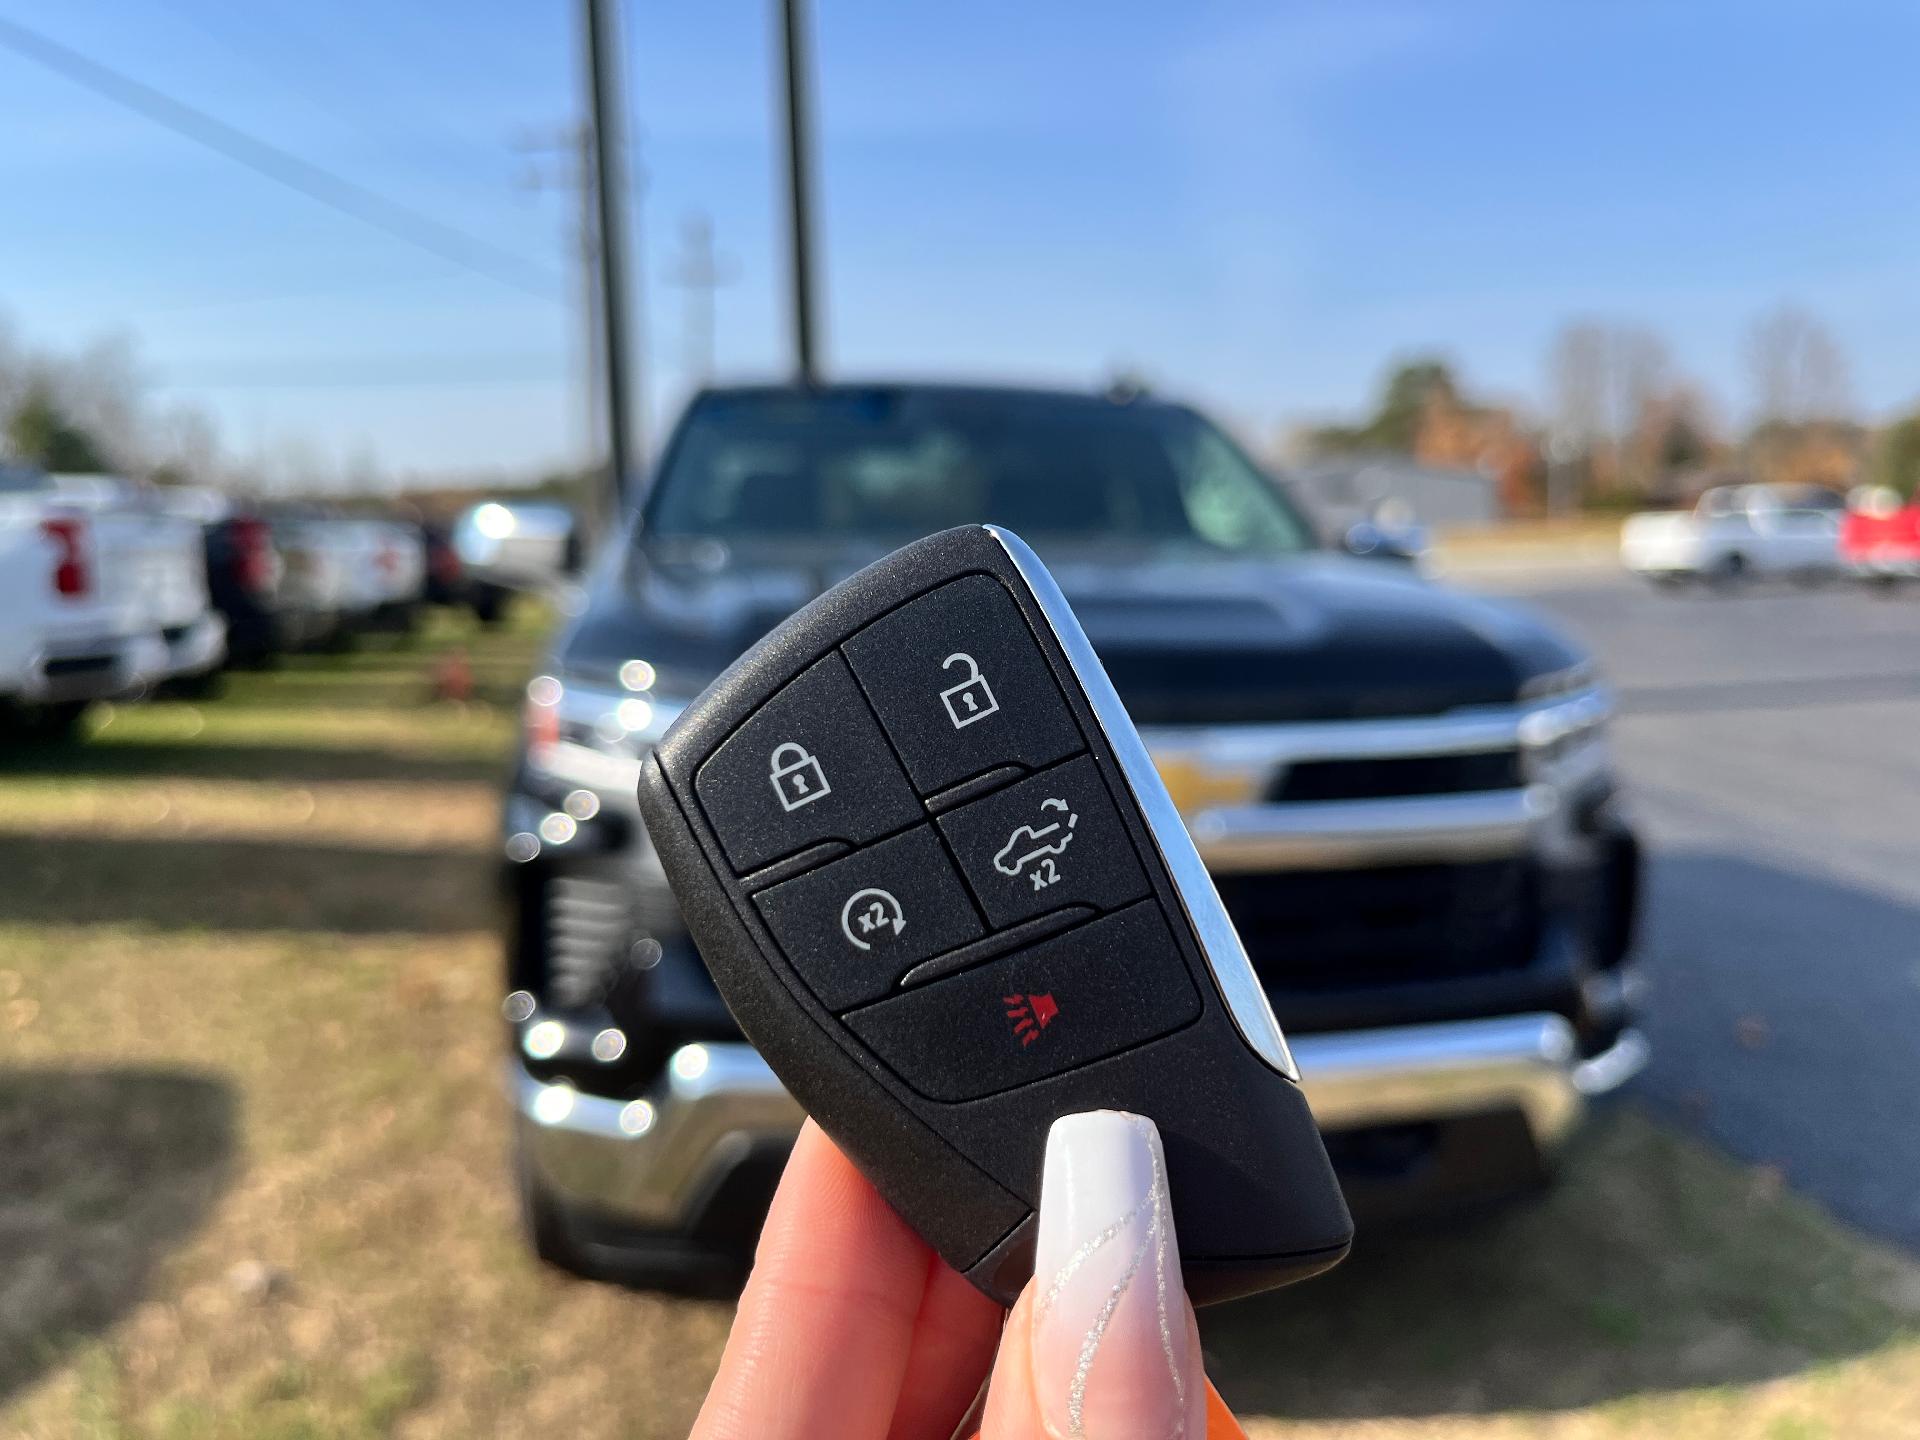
(962, 686)
(970, 700)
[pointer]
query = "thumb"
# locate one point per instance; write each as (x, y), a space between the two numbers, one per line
(1102, 1344)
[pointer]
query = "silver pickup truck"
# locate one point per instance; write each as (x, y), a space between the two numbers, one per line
(1404, 795)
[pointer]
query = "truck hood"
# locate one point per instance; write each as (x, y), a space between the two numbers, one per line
(1309, 637)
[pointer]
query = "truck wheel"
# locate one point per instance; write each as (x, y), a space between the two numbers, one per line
(543, 1222)
(1731, 570)
(207, 685)
(44, 724)
(638, 1258)
(489, 604)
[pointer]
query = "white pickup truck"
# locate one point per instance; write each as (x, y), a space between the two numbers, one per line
(386, 574)
(1738, 532)
(101, 595)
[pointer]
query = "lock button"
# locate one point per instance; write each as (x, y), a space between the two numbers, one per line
(962, 686)
(797, 777)
(808, 766)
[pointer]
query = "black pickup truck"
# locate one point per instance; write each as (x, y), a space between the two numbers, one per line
(1404, 795)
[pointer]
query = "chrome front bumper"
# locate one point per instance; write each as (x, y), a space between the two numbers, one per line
(649, 1162)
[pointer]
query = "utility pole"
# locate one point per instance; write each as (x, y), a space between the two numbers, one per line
(700, 271)
(572, 172)
(610, 195)
(796, 74)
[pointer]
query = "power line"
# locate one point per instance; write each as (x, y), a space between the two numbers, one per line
(375, 372)
(400, 221)
(273, 68)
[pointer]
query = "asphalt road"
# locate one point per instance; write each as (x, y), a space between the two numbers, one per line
(1770, 744)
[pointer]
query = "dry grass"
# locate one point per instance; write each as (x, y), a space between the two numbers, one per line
(1559, 530)
(1581, 542)
(252, 1151)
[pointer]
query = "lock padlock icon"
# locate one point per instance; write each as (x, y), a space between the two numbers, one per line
(796, 775)
(970, 700)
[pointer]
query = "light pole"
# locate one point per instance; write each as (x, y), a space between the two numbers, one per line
(796, 76)
(610, 193)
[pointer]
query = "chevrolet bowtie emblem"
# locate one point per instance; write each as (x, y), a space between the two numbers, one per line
(1196, 786)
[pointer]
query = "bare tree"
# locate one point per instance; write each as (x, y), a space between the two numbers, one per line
(1580, 394)
(1799, 371)
(1616, 400)
(1641, 379)
(103, 391)
(361, 473)
(13, 378)
(184, 446)
(1802, 403)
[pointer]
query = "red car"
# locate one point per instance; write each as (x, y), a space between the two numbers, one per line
(1880, 536)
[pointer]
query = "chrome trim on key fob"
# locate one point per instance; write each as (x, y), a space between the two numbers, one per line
(1232, 971)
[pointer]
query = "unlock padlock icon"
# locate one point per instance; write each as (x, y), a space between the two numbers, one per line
(970, 700)
(796, 775)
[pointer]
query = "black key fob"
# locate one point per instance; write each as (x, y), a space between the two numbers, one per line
(943, 890)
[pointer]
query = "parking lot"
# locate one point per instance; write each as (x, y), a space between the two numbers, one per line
(256, 1180)
(1772, 740)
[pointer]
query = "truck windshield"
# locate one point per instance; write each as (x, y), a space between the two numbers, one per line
(892, 465)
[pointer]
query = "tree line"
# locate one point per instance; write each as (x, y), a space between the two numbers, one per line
(1622, 427)
(91, 411)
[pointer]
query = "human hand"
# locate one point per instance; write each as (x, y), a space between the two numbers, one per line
(851, 1327)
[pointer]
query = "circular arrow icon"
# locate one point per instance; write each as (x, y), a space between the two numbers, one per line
(871, 915)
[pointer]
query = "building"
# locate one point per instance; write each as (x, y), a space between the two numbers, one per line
(1342, 490)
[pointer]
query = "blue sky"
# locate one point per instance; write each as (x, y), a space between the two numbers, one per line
(1256, 204)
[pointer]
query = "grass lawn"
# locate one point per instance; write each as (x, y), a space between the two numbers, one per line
(253, 1170)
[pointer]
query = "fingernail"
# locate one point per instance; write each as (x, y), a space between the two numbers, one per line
(1111, 1347)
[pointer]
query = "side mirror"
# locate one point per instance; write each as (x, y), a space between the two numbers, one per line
(518, 545)
(1372, 541)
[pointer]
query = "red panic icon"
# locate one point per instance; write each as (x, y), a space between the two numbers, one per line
(1030, 1014)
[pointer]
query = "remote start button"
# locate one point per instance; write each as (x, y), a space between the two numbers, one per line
(960, 685)
(1105, 987)
(1051, 840)
(809, 765)
(854, 927)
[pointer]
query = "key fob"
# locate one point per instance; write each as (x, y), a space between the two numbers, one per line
(943, 890)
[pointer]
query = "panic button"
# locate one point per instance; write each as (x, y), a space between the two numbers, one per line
(1105, 987)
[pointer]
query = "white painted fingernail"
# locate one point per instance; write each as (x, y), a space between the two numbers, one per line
(1112, 1353)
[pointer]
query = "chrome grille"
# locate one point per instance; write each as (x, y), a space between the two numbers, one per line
(1394, 925)
(1381, 777)
(588, 923)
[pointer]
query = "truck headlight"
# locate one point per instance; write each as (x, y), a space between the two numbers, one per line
(583, 738)
(1560, 727)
